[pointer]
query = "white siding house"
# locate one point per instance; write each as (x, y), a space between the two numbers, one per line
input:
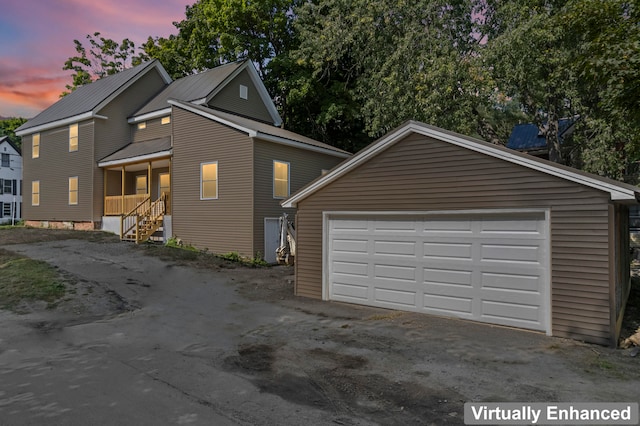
(10, 182)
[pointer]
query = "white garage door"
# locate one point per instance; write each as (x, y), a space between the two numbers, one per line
(484, 267)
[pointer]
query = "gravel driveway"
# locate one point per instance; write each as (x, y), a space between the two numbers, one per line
(143, 341)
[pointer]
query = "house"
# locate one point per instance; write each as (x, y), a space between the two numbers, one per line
(202, 158)
(10, 181)
(530, 139)
(431, 221)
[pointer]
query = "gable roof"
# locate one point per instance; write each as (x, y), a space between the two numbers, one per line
(618, 191)
(256, 129)
(86, 101)
(201, 88)
(7, 140)
(528, 136)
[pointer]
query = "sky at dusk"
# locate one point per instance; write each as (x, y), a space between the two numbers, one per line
(36, 38)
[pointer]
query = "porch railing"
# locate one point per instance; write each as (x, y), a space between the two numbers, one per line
(116, 205)
(143, 220)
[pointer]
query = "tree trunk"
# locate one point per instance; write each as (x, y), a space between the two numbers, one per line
(553, 139)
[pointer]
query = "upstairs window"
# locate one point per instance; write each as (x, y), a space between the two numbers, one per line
(35, 145)
(209, 181)
(165, 120)
(35, 193)
(280, 179)
(142, 126)
(73, 137)
(244, 92)
(5, 160)
(73, 191)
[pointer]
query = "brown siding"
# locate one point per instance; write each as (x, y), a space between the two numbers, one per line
(220, 225)
(423, 174)
(115, 132)
(53, 169)
(154, 130)
(304, 166)
(228, 99)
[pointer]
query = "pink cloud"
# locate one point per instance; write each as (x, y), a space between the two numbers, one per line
(33, 52)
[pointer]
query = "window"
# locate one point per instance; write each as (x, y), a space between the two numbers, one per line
(280, 179)
(35, 193)
(244, 92)
(165, 183)
(5, 160)
(35, 145)
(141, 184)
(6, 210)
(73, 191)
(142, 126)
(165, 120)
(73, 137)
(209, 181)
(7, 186)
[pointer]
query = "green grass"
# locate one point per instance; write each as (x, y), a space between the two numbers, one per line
(24, 279)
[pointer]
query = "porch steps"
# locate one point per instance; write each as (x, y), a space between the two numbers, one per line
(149, 230)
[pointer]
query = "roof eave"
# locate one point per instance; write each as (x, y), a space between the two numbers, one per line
(150, 115)
(58, 123)
(301, 145)
(136, 159)
(617, 193)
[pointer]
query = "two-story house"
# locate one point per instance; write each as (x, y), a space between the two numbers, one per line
(10, 181)
(203, 156)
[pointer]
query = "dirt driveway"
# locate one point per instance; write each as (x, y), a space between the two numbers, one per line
(145, 341)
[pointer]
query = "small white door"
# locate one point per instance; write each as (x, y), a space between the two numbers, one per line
(271, 238)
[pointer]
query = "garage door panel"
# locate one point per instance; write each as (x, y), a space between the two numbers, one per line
(401, 298)
(395, 248)
(518, 312)
(351, 292)
(510, 253)
(396, 272)
(448, 305)
(492, 269)
(447, 250)
(448, 276)
(503, 281)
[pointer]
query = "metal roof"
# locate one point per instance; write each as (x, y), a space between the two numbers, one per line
(190, 88)
(258, 129)
(88, 98)
(525, 137)
(145, 149)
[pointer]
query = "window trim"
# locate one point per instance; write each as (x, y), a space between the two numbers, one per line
(73, 147)
(202, 181)
(244, 92)
(273, 180)
(33, 182)
(35, 152)
(77, 190)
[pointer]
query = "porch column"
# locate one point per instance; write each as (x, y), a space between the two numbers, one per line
(104, 195)
(122, 188)
(149, 180)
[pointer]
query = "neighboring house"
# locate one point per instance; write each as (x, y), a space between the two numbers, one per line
(431, 221)
(530, 139)
(10, 181)
(202, 158)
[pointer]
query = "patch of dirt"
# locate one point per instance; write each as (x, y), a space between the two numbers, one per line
(25, 235)
(341, 383)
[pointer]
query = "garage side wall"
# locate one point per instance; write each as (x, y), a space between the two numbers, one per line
(423, 174)
(220, 225)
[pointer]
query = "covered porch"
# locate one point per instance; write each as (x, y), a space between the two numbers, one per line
(137, 188)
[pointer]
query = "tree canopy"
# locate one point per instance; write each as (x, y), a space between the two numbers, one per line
(102, 57)
(345, 72)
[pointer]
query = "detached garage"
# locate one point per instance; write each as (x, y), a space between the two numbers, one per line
(430, 221)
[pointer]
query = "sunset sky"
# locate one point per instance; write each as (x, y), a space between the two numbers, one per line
(36, 38)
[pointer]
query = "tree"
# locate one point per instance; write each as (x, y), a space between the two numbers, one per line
(406, 60)
(104, 57)
(8, 127)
